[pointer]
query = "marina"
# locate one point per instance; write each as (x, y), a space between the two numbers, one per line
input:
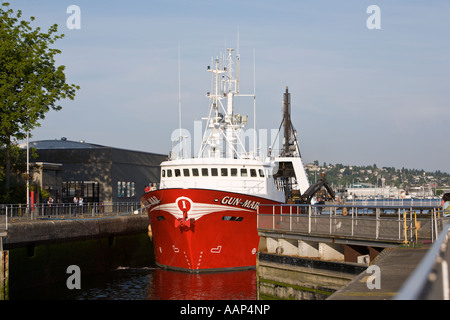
(298, 255)
(228, 151)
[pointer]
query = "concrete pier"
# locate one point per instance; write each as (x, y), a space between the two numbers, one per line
(389, 274)
(46, 231)
(40, 251)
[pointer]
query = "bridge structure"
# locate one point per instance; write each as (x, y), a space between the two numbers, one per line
(342, 237)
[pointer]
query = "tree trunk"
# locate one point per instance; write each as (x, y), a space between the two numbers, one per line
(8, 165)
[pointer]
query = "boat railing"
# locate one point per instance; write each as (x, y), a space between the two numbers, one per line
(400, 224)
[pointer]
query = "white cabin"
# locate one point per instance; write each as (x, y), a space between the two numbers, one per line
(247, 176)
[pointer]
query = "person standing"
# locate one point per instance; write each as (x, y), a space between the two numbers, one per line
(75, 204)
(446, 205)
(80, 204)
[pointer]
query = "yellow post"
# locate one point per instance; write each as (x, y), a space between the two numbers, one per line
(406, 228)
(416, 224)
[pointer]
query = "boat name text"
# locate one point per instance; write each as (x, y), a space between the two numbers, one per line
(232, 201)
(153, 200)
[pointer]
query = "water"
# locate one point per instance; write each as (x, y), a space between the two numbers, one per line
(153, 284)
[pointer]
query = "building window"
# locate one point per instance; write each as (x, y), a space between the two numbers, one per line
(126, 189)
(88, 190)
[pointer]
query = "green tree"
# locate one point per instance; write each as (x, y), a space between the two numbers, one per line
(30, 82)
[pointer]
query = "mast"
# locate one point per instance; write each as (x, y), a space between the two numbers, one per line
(231, 90)
(223, 124)
(287, 121)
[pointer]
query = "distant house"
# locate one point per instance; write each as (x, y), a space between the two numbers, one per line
(97, 173)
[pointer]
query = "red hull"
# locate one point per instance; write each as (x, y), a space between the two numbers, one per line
(203, 230)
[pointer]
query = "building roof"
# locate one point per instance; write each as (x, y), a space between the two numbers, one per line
(63, 143)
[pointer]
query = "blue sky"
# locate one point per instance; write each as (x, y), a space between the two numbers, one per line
(358, 96)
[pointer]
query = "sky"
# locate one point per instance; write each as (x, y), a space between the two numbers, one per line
(359, 95)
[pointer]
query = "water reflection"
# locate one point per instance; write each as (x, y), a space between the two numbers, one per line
(168, 285)
(153, 284)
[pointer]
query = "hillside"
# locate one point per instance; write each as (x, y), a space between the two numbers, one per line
(340, 175)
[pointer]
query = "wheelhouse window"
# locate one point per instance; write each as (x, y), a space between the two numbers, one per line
(169, 173)
(224, 172)
(186, 172)
(261, 172)
(163, 173)
(253, 173)
(177, 172)
(234, 172)
(243, 172)
(214, 172)
(204, 172)
(195, 172)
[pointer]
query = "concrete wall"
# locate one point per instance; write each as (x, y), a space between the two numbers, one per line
(41, 251)
(293, 268)
(295, 278)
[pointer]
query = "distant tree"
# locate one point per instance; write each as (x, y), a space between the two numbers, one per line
(30, 82)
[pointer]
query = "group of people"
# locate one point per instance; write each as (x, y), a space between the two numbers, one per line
(78, 201)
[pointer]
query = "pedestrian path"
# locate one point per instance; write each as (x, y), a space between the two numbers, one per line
(385, 277)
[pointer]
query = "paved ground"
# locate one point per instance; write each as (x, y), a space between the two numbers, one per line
(395, 266)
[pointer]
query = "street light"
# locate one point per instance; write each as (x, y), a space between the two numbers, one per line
(28, 172)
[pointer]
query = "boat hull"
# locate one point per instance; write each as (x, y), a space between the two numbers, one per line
(199, 230)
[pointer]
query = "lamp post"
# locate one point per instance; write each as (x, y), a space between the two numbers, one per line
(28, 173)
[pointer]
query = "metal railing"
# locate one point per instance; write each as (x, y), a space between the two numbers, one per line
(430, 280)
(398, 224)
(17, 212)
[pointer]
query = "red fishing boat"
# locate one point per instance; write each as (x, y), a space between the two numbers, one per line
(203, 215)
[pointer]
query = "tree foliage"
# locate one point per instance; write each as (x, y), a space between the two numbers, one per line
(31, 84)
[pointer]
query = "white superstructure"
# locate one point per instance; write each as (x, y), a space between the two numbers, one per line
(223, 163)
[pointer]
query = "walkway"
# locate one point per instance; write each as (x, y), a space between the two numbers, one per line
(395, 266)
